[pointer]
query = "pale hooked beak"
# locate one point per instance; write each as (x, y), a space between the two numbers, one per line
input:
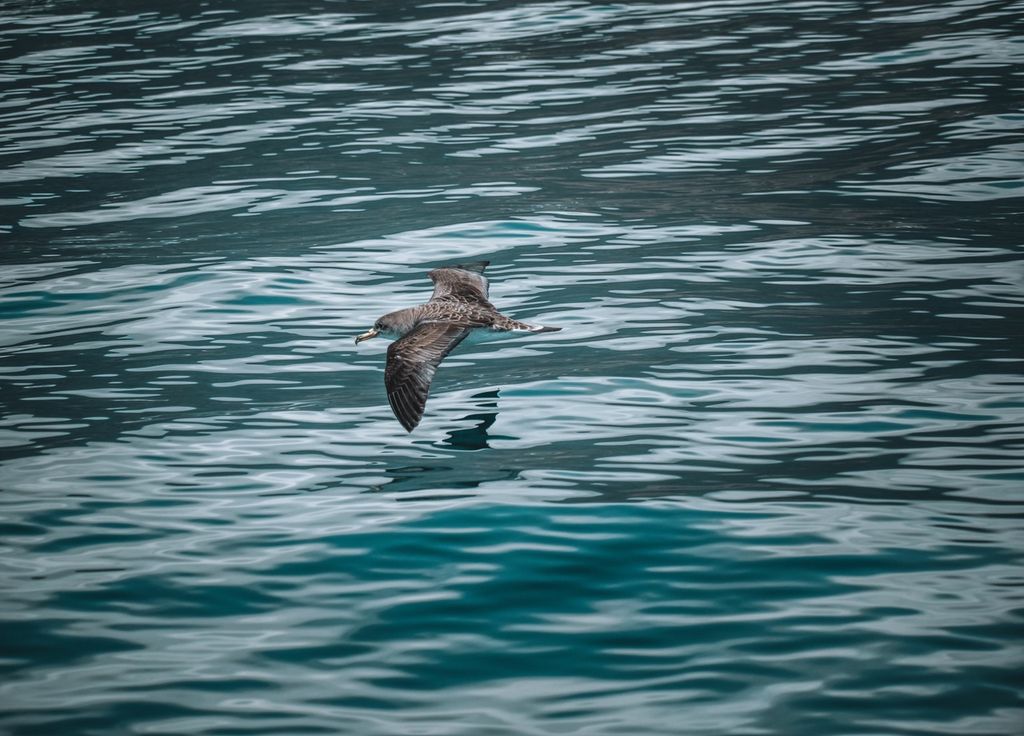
(372, 332)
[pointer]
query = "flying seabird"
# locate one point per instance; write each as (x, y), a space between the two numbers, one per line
(428, 332)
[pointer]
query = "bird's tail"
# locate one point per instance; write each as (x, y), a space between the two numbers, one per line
(523, 327)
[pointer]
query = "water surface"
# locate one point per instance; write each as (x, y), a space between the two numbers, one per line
(766, 480)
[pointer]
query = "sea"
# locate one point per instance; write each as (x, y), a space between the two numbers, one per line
(767, 479)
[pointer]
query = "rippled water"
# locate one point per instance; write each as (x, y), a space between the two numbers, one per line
(766, 480)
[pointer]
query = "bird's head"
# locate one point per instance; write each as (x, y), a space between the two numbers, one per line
(394, 324)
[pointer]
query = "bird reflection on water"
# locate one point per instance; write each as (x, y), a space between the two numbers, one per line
(476, 437)
(448, 474)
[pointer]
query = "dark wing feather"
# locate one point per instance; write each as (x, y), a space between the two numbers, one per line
(412, 362)
(465, 282)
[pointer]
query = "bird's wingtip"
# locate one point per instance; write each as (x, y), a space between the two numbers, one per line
(474, 266)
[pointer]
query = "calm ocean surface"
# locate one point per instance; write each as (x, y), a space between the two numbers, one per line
(768, 479)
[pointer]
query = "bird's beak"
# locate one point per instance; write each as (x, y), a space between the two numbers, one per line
(372, 332)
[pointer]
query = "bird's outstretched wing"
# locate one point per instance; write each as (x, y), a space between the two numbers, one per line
(412, 362)
(464, 282)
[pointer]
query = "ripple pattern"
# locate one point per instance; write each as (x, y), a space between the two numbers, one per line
(766, 480)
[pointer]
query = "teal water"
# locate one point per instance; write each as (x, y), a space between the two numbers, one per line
(767, 479)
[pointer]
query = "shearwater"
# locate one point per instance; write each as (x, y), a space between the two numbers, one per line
(428, 332)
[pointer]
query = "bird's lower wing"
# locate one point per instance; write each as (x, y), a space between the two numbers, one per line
(412, 362)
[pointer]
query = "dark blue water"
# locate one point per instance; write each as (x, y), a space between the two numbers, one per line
(767, 479)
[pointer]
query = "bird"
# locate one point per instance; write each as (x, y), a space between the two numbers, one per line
(426, 333)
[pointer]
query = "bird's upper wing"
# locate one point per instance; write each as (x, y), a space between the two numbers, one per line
(412, 362)
(466, 281)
